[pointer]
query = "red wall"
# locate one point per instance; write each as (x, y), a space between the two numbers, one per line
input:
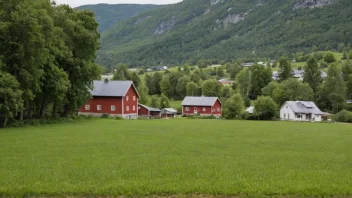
(106, 103)
(208, 110)
(143, 111)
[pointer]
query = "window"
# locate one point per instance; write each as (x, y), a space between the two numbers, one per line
(203, 109)
(286, 106)
(126, 98)
(99, 107)
(134, 98)
(113, 108)
(218, 109)
(134, 108)
(187, 108)
(127, 108)
(284, 115)
(87, 107)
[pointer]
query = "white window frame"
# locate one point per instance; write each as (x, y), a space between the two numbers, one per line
(127, 98)
(218, 109)
(134, 108)
(204, 109)
(87, 107)
(134, 98)
(187, 108)
(127, 108)
(113, 108)
(99, 107)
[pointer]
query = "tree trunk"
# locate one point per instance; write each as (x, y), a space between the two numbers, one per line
(5, 122)
(66, 111)
(29, 114)
(42, 108)
(21, 114)
(54, 109)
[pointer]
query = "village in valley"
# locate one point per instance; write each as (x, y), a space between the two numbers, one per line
(176, 99)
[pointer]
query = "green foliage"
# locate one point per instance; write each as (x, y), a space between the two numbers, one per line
(166, 87)
(233, 107)
(211, 87)
(265, 108)
(181, 86)
(329, 57)
(154, 102)
(332, 92)
(260, 77)
(344, 116)
(192, 89)
(243, 82)
(164, 102)
(312, 73)
(285, 71)
(143, 93)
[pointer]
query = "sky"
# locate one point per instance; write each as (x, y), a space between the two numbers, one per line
(75, 3)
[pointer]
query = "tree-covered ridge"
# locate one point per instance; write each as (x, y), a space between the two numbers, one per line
(47, 59)
(108, 15)
(228, 30)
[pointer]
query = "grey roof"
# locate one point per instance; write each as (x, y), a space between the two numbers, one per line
(150, 108)
(111, 88)
(199, 101)
(305, 107)
(170, 110)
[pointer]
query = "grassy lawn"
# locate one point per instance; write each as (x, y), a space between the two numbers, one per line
(175, 104)
(177, 157)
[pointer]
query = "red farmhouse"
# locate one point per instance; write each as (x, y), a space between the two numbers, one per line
(116, 98)
(204, 106)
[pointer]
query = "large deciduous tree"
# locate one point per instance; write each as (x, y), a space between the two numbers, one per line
(312, 73)
(285, 71)
(260, 77)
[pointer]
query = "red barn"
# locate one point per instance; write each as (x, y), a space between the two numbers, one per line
(148, 112)
(204, 106)
(116, 98)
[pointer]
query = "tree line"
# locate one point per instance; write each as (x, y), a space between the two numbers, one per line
(47, 59)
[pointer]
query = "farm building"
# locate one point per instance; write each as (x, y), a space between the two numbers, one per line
(168, 113)
(115, 98)
(204, 106)
(149, 112)
(301, 111)
(225, 81)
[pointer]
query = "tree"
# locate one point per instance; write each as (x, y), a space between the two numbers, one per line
(260, 77)
(234, 107)
(165, 86)
(192, 89)
(153, 83)
(154, 101)
(285, 71)
(143, 93)
(269, 89)
(329, 57)
(201, 63)
(211, 87)
(243, 83)
(10, 97)
(312, 73)
(227, 92)
(181, 86)
(265, 108)
(332, 92)
(346, 70)
(121, 72)
(350, 54)
(133, 76)
(164, 102)
(233, 70)
(349, 87)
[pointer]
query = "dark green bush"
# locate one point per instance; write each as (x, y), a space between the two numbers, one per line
(344, 116)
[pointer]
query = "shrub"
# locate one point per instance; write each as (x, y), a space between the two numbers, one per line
(105, 115)
(344, 116)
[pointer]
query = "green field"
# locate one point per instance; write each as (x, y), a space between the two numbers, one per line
(176, 157)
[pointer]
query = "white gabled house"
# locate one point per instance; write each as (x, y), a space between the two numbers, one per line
(305, 111)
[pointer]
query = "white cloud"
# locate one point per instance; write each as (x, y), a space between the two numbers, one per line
(75, 3)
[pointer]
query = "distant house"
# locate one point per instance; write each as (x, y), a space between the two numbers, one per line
(168, 113)
(204, 106)
(348, 101)
(298, 74)
(247, 64)
(148, 112)
(301, 111)
(115, 98)
(161, 68)
(225, 81)
(250, 110)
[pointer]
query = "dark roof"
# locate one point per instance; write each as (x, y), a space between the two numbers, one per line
(199, 101)
(169, 111)
(111, 88)
(150, 108)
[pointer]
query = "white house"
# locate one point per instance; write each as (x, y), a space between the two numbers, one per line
(301, 111)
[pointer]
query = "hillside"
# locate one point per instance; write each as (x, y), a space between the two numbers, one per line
(108, 15)
(227, 30)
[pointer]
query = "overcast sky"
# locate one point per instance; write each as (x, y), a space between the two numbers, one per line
(75, 3)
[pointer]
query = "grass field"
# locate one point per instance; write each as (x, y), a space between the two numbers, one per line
(176, 157)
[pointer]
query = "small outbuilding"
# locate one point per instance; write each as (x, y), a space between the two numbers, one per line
(168, 113)
(305, 111)
(148, 112)
(203, 106)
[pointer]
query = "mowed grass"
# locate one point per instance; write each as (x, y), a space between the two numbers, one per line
(178, 157)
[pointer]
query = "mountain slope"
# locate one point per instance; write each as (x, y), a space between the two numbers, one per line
(108, 15)
(227, 30)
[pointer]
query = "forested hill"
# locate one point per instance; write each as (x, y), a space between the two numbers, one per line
(227, 30)
(108, 15)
